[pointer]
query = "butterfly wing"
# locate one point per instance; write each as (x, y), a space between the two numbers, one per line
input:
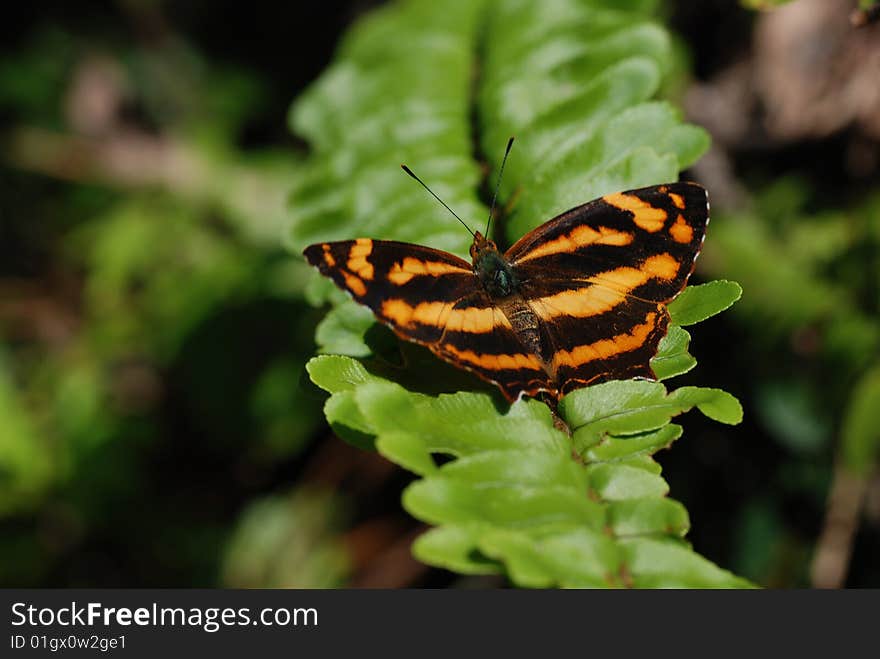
(432, 298)
(600, 275)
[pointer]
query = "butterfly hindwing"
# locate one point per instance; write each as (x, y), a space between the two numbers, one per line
(586, 351)
(481, 339)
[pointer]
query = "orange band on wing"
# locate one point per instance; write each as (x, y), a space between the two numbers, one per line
(578, 237)
(474, 320)
(354, 284)
(605, 291)
(662, 266)
(410, 267)
(681, 231)
(583, 302)
(490, 362)
(644, 214)
(357, 258)
(606, 348)
(625, 279)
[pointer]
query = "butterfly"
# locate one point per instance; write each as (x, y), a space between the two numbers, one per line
(579, 300)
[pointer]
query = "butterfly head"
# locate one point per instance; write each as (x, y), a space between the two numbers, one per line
(492, 269)
(481, 245)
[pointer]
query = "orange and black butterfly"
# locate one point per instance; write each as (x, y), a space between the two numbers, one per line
(579, 300)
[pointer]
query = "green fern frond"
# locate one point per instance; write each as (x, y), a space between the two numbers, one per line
(442, 86)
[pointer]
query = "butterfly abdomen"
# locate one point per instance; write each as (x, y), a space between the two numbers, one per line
(525, 325)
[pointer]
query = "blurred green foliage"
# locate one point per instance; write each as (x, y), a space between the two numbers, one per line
(812, 313)
(289, 541)
(171, 314)
(812, 280)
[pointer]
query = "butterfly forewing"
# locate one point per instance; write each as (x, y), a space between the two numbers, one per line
(407, 286)
(659, 230)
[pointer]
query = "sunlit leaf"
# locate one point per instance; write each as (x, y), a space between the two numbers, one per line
(672, 356)
(342, 330)
(697, 303)
(513, 494)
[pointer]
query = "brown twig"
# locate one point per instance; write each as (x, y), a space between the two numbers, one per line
(127, 158)
(834, 548)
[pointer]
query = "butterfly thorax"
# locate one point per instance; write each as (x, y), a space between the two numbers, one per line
(502, 285)
(492, 269)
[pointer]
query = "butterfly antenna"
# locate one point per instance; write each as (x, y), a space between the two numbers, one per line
(410, 172)
(498, 184)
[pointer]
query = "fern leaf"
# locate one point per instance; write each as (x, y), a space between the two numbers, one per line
(575, 81)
